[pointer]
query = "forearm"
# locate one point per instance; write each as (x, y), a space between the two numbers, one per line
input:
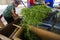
(44, 3)
(14, 13)
(15, 16)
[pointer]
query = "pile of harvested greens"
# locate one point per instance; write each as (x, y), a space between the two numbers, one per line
(33, 16)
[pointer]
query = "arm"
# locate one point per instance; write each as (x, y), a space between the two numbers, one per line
(13, 13)
(46, 4)
(15, 16)
(1, 16)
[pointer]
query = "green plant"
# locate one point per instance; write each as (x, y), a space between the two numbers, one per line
(33, 16)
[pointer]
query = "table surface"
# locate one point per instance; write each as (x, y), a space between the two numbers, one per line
(4, 38)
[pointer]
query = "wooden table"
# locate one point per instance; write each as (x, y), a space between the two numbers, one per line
(4, 38)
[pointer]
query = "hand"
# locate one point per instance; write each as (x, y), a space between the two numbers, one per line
(15, 17)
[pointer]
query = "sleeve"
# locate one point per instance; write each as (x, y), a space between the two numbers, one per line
(46, 1)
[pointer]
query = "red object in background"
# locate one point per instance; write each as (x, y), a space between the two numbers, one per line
(1, 16)
(31, 2)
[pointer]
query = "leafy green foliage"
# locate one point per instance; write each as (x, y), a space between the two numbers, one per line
(35, 14)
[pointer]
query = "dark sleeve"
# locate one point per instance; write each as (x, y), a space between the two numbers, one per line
(46, 1)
